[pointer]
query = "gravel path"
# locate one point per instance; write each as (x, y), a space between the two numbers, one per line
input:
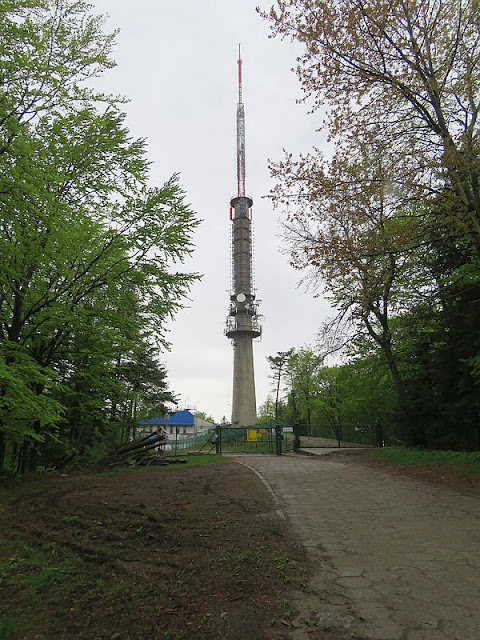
(397, 559)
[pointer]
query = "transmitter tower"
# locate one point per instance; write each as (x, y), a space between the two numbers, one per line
(242, 321)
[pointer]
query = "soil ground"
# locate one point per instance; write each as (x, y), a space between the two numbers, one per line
(177, 552)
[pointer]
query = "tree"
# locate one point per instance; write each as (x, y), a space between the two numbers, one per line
(89, 252)
(277, 365)
(391, 224)
(302, 372)
(64, 253)
(437, 346)
(329, 399)
(406, 72)
(266, 411)
(358, 399)
(48, 48)
(204, 416)
(354, 240)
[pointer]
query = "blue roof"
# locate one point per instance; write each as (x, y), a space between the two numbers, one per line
(179, 418)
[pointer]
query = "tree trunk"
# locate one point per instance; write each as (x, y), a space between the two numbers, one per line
(2, 449)
(384, 342)
(278, 392)
(396, 376)
(23, 458)
(140, 443)
(13, 455)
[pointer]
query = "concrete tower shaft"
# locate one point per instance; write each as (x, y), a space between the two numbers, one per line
(242, 321)
(242, 245)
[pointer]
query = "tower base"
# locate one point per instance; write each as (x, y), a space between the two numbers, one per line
(244, 406)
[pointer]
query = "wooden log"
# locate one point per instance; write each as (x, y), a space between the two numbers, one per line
(132, 443)
(64, 460)
(138, 451)
(148, 460)
(139, 443)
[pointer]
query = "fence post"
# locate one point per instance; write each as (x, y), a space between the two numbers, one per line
(278, 439)
(218, 440)
(338, 434)
(296, 438)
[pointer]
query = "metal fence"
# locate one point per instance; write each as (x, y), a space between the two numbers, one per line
(264, 438)
(371, 435)
(274, 437)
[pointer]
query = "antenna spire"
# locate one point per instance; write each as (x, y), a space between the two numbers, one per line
(239, 75)
(240, 133)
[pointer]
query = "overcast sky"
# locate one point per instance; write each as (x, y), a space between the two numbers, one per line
(177, 63)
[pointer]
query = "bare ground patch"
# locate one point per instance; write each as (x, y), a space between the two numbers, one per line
(191, 552)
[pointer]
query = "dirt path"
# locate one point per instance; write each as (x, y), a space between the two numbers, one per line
(402, 557)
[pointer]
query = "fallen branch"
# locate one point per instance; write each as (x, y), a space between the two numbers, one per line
(141, 443)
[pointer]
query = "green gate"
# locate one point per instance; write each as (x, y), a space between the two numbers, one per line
(273, 438)
(259, 438)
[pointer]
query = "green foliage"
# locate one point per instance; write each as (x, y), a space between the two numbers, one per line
(266, 411)
(24, 412)
(204, 416)
(102, 443)
(89, 252)
(403, 455)
(354, 401)
(389, 227)
(48, 49)
(8, 630)
(301, 374)
(369, 395)
(437, 350)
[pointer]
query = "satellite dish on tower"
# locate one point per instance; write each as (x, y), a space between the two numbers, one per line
(241, 297)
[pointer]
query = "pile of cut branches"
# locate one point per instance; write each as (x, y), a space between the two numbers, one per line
(142, 452)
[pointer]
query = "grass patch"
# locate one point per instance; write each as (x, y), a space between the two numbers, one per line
(403, 455)
(192, 461)
(8, 630)
(33, 568)
(457, 470)
(200, 460)
(444, 464)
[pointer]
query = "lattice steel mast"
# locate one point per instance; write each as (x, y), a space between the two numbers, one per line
(242, 321)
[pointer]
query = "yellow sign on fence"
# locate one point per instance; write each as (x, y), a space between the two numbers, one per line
(251, 435)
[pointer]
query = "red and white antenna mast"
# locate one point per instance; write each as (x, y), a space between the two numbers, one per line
(240, 133)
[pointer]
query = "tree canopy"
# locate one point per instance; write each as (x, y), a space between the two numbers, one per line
(90, 252)
(406, 72)
(389, 225)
